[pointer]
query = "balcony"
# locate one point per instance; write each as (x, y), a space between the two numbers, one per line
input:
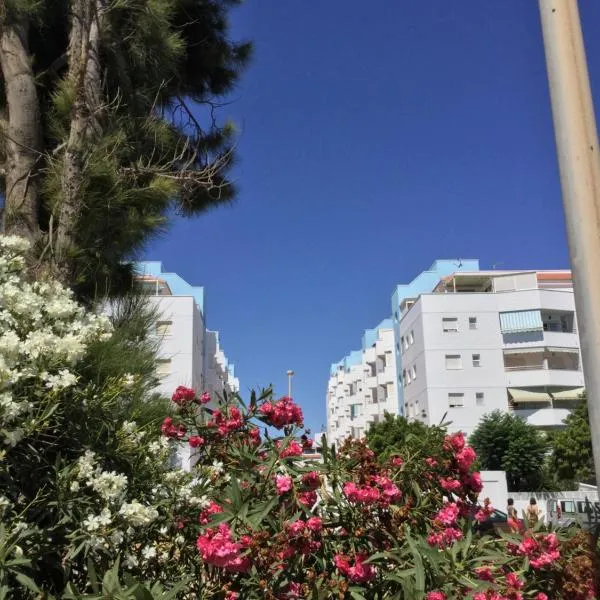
(543, 417)
(543, 367)
(387, 375)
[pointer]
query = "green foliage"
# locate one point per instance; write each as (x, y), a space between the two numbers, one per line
(504, 442)
(572, 459)
(159, 147)
(395, 434)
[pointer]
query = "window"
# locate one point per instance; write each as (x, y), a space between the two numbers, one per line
(414, 372)
(404, 379)
(479, 398)
(354, 410)
(472, 322)
(456, 400)
(411, 338)
(453, 361)
(476, 360)
(163, 367)
(450, 324)
(405, 342)
(397, 347)
(163, 328)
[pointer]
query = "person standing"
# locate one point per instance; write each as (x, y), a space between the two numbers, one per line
(532, 513)
(512, 517)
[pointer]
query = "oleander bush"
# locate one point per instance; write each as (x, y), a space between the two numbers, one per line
(92, 508)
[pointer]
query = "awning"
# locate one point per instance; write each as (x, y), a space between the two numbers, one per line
(564, 350)
(528, 396)
(521, 321)
(528, 350)
(574, 394)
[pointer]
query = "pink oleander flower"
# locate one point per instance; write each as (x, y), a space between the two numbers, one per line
(455, 442)
(212, 509)
(359, 572)
(484, 573)
(195, 441)
(229, 595)
(169, 429)
(218, 548)
(295, 528)
(205, 398)
(396, 461)
(541, 596)
(307, 498)
(450, 485)
(448, 514)
(292, 449)
(475, 483)
(183, 396)
(431, 462)
(254, 435)
(465, 458)
(283, 483)
(542, 550)
(513, 581)
(315, 524)
(436, 596)
(484, 512)
(311, 480)
(444, 538)
(281, 413)
(364, 494)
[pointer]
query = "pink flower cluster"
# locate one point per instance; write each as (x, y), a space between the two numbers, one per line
(183, 396)
(195, 441)
(381, 491)
(542, 550)
(217, 547)
(212, 509)
(292, 449)
(448, 514)
(307, 499)
(281, 413)
(484, 512)
(303, 537)
(357, 571)
(227, 423)
(436, 596)
(283, 484)
(311, 480)
(170, 429)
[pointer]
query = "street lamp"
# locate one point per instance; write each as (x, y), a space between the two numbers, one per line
(290, 374)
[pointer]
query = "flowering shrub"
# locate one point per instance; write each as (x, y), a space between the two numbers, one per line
(87, 492)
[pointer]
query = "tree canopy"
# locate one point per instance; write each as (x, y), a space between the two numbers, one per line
(572, 458)
(394, 434)
(504, 442)
(109, 125)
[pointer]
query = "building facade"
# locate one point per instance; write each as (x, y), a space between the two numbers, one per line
(463, 342)
(362, 386)
(481, 341)
(189, 353)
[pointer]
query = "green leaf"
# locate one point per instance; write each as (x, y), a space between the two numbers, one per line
(28, 583)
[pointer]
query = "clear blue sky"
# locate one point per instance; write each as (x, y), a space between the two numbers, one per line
(375, 138)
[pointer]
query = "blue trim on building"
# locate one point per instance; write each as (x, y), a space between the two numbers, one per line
(178, 285)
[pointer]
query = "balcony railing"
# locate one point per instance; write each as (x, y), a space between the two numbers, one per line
(541, 367)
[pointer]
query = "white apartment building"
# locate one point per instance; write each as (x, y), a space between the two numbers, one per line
(189, 354)
(362, 386)
(220, 375)
(478, 341)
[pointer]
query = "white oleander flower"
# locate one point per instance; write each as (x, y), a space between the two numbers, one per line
(74, 487)
(148, 552)
(138, 514)
(108, 484)
(63, 379)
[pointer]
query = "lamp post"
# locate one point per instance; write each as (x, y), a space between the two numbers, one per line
(579, 165)
(290, 374)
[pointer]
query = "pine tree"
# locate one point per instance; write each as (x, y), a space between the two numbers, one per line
(109, 126)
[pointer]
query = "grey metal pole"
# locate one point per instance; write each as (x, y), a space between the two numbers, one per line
(579, 164)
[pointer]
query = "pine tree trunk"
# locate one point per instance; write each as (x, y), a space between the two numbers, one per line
(22, 132)
(84, 76)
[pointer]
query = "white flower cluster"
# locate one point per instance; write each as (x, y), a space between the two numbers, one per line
(131, 433)
(43, 333)
(137, 514)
